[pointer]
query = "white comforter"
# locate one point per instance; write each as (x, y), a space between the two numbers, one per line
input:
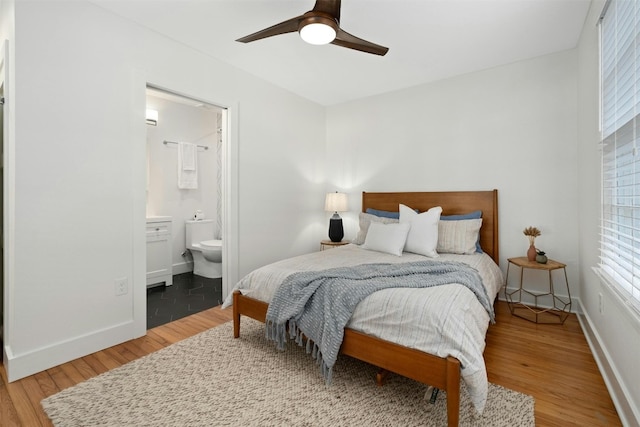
(443, 320)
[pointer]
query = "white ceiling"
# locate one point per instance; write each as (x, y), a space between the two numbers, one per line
(428, 40)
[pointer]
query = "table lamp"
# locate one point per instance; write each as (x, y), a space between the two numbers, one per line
(335, 202)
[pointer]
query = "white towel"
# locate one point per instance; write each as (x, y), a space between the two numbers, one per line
(187, 166)
(189, 156)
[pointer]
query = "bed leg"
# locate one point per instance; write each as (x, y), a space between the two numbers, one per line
(453, 391)
(381, 376)
(236, 314)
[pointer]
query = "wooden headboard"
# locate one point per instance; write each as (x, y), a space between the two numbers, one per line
(452, 203)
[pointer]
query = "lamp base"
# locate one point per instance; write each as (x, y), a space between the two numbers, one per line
(336, 232)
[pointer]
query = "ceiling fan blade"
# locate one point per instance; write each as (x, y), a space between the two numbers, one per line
(347, 40)
(330, 7)
(289, 26)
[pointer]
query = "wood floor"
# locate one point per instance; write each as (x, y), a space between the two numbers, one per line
(550, 362)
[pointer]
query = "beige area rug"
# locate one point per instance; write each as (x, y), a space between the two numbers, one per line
(212, 379)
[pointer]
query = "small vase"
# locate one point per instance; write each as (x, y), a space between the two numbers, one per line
(531, 253)
(541, 259)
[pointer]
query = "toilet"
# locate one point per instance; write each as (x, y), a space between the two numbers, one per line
(206, 251)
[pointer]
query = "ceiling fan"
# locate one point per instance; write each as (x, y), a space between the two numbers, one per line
(321, 25)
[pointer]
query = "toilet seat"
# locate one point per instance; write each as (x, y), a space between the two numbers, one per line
(211, 244)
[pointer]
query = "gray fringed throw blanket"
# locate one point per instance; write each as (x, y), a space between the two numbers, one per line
(318, 304)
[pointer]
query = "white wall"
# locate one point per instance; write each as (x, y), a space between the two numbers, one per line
(80, 81)
(185, 123)
(512, 128)
(614, 334)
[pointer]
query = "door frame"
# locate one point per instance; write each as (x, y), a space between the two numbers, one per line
(8, 202)
(230, 178)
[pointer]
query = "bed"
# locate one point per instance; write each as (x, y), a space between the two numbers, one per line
(418, 362)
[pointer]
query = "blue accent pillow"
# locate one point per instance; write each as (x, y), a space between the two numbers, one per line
(383, 214)
(471, 215)
(462, 217)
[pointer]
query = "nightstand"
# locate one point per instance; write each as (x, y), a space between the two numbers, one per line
(558, 310)
(328, 244)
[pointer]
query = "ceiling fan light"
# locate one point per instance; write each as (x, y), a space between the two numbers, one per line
(318, 33)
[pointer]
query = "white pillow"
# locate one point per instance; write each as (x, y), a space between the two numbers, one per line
(387, 238)
(458, 237)
(365, 221)
(423, 235)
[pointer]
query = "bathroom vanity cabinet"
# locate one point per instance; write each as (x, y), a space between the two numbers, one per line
(159, 240)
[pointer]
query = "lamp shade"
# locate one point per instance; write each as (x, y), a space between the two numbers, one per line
(335, 202)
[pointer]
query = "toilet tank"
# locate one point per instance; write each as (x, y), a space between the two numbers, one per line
(197, 231)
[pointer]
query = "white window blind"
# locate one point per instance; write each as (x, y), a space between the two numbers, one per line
(620, 83)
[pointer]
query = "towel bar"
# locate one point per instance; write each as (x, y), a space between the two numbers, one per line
(174, 142)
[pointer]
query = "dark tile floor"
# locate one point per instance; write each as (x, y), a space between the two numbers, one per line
(189, 294)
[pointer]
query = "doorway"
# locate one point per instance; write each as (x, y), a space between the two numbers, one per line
(173, 291)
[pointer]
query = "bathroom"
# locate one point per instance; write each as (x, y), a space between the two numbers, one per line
(183, 202)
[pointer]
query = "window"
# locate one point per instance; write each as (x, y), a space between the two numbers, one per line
(620, 85)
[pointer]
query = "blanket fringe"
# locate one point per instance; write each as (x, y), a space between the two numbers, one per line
(278, 334)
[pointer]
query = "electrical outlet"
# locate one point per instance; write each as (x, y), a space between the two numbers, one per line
(121, 286)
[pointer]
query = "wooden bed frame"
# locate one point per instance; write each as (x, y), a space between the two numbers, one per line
(442, 373)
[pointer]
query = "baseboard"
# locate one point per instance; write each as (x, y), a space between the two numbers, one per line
(182, 267)
(18, 366)
(618, 392)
